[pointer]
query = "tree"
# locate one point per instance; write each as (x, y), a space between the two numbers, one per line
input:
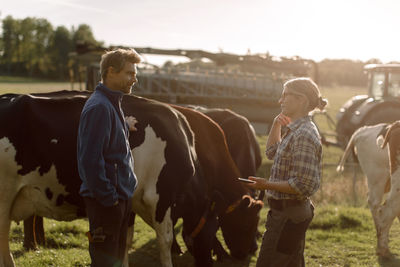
(342, 72)
(85, 35)
(43, 36)
(9, 42)
(60, 49)
(26, 45)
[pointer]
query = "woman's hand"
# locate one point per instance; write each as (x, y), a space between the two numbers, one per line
(282, 119)
(260, 183)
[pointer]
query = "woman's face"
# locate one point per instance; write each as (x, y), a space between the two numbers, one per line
(292, 103)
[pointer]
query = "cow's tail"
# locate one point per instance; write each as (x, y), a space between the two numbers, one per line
(382, 141)
(349, 149)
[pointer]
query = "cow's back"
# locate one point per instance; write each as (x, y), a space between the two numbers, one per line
(241, 139)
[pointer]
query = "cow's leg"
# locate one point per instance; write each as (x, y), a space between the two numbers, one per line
(29, 239)
(386, 214)
(164, 238)
(7, 196)
(375, 195)
(33, 232)
(6, 258)
(219, 250)
(383, 228)
(175, 248)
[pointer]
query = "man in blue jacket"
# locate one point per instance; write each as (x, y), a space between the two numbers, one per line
(105, 162)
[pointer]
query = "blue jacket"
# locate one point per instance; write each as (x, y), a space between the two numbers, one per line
(105, 163)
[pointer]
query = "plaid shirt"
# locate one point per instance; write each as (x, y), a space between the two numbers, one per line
(297, 159)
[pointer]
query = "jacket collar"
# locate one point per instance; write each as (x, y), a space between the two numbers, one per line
(114, 96)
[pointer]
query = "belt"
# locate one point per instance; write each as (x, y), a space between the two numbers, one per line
(280, 204)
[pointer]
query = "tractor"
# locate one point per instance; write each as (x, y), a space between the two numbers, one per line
(382, 104)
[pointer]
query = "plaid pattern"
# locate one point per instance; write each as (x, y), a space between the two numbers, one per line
(297, 159)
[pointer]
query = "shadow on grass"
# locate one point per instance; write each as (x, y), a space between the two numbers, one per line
(148, 255)
(63, 244)
(19, 253)
(392, 261)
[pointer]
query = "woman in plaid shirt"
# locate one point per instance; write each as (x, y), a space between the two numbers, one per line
(294, 144)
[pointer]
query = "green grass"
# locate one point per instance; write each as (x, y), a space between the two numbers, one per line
(338, 236)
(341, 234)
(22, 85)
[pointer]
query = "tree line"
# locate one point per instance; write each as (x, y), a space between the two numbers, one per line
(32, 47)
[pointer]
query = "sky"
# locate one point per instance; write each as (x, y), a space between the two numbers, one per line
(312, 29)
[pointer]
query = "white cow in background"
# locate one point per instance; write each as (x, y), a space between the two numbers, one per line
(374, 162)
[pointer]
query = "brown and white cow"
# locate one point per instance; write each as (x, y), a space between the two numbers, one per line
(391, 208)
(243, 147)
(239, 217)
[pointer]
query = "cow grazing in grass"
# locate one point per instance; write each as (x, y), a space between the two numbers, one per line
(239, 217)
(374, 162)
(391, 208)
(38, 173)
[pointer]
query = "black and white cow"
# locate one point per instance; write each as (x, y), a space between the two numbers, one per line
(214, 157)
(38, 173)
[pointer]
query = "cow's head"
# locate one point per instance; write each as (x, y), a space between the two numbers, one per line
(239, 224)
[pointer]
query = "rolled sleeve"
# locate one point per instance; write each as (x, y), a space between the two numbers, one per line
(306, 170)
(270, 151)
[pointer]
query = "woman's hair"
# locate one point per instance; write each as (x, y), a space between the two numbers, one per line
(117, 59)
(308, 88)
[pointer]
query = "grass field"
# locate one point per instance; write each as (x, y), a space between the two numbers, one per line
(341, 234)
(20, 85)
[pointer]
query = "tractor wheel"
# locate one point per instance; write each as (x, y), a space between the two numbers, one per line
(386, 114)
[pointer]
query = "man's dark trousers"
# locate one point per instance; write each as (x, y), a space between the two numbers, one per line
(108, 230)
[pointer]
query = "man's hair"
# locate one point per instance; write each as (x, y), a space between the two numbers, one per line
(117, 59)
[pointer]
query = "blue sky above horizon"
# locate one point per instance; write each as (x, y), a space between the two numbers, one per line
(314, 29)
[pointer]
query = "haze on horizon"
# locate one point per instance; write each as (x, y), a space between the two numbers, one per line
(314, 29)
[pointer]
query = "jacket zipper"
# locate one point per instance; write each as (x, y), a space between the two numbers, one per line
(116, 175)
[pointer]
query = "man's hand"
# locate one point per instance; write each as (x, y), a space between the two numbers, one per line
(131, 121)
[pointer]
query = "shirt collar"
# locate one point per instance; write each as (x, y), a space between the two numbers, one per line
(296, 124)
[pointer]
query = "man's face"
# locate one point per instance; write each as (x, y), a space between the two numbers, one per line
(124, 80)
